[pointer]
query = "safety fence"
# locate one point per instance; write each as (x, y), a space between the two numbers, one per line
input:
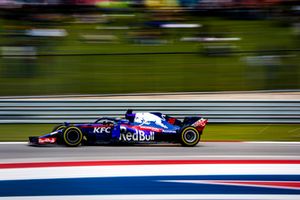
(217, 111)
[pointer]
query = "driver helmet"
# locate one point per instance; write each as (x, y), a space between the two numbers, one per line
(129, 115)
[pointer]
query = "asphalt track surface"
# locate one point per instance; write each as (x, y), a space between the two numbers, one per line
(21, 152)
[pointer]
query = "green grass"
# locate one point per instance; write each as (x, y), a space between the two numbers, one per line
(229, 132)
(21, 132)
(150, 73)
(252, 132)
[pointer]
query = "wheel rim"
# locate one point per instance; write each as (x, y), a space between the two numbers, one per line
(73, 136)
(190, 136)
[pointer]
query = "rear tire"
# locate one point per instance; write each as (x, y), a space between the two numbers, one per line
(189, 136)
(72, 136)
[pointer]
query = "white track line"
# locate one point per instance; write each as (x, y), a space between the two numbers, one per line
(196, 157)
(148, 170)
(251, 142)
(108, 158)
(13, 143)
(271, 142)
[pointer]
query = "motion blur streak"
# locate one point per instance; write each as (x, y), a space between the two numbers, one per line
(78, 47)
(147, 170)
(96, 46)
(12, 153)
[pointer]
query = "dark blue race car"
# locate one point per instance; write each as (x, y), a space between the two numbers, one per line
(149, 127)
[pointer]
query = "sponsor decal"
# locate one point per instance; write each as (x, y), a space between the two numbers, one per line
(123, 129)
(139, 135)
(148, 118)
(169, 131)
(102, 129)
(47, 140)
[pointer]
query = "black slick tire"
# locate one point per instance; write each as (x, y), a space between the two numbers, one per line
(72, 136)
(189, 136)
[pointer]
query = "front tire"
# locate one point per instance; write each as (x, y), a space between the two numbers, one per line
(59, 136)
(59, 127)
(72, 136)
(189, 136)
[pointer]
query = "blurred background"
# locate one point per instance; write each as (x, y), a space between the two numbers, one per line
(116, 46)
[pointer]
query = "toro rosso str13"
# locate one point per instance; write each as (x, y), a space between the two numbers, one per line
(149, 127)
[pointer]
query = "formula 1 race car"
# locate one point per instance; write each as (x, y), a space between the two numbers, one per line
(149, 127)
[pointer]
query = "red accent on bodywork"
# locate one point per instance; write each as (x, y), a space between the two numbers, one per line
(172, 120)
(50, 140)
(200, 124)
